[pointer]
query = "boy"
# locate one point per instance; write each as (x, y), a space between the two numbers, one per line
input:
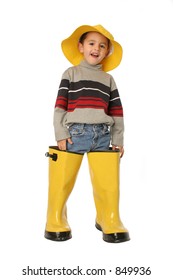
(88, 116)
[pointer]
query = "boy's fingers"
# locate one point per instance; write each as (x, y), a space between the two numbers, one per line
(69, 141)
(62, 145)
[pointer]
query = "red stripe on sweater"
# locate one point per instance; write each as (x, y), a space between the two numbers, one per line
(61, 102)
(116, 112)
(87, 103)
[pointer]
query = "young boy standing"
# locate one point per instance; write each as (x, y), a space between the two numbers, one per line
(88, 117)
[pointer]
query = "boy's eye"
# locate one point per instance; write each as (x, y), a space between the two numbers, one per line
(102, 46)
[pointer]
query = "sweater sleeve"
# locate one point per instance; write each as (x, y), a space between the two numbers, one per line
(116, 111)
(117, 132)
(60, 110)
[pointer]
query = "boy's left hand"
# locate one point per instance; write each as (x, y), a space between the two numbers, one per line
(120, 148)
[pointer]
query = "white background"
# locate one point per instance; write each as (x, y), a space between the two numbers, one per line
(31, 65)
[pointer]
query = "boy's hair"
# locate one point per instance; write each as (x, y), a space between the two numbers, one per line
(84, 35)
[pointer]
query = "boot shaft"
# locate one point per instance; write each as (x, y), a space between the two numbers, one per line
(104, 172)
(63, 170)
(63, 167)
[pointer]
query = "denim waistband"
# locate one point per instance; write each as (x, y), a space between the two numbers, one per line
(83, 125)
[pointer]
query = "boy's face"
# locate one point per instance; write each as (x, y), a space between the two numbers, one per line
(94, 48)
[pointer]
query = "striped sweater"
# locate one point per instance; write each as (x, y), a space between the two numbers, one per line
(88, 95)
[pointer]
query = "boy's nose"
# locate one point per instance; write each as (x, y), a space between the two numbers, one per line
(96, 47)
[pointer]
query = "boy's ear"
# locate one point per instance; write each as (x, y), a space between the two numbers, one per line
(110, 49)
(108, 52)
(80, 47)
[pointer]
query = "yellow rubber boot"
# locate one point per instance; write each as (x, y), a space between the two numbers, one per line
(104, 172)
(63, 170)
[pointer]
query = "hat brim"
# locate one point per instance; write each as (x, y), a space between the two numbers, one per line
(71, 51)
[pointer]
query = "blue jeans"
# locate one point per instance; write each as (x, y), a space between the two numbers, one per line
(89, 137)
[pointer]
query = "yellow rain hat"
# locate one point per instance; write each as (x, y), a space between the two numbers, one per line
(72, 53)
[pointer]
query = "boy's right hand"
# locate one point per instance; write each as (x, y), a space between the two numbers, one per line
(62, 144)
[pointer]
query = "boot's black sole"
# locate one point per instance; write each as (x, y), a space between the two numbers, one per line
(116, 237)
(58, 236)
